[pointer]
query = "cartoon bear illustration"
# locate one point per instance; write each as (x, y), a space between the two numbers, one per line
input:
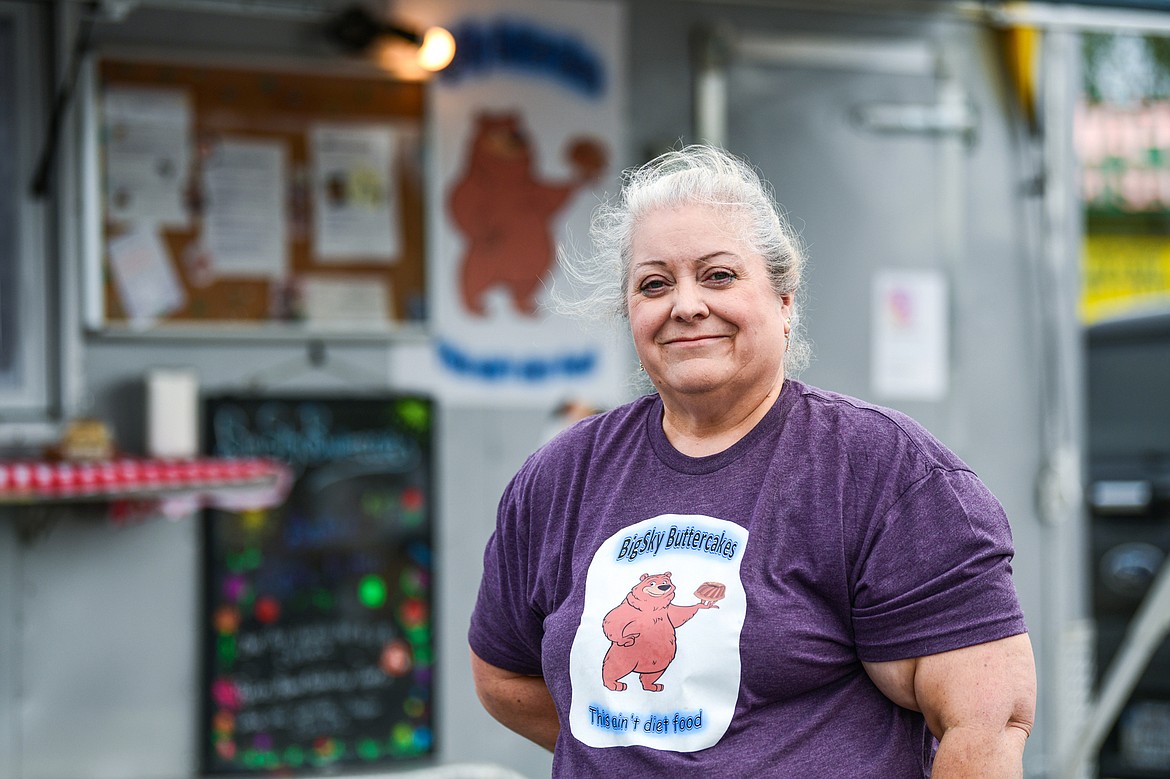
(505, 213)
(642, 631)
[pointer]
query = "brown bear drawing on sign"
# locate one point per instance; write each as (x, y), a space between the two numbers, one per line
(505, 212)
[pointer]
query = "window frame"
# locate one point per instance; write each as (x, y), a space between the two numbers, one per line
(30, 388)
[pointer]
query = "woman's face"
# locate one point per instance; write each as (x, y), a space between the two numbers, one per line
(703, 314)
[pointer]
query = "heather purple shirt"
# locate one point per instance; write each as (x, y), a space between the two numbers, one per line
(749, 585)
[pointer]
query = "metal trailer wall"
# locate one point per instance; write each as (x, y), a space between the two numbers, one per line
(102, 679)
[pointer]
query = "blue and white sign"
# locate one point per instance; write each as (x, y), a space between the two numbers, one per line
(525, 138)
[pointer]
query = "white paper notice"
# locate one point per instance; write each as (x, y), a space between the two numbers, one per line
(330, 300)
(144, 276)
(910, 357)
(244, 223)
(147, 135)
(355, 193)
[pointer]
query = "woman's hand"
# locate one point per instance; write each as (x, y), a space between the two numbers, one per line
(978, 701)
(520, 703)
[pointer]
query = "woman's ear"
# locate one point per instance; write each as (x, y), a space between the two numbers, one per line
(786, 305)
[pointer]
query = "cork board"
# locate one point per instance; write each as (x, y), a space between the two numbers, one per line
(190, 235)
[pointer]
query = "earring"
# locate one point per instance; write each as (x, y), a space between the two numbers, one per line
(641, 367)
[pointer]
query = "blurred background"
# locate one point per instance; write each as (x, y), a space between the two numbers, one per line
(308, 250)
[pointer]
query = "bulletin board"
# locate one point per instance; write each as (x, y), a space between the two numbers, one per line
(259, 196)
(317, 640)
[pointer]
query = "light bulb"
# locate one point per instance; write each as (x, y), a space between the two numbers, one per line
(437, 49)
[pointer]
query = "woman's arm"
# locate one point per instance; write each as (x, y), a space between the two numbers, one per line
(520, 703)
(978, 701)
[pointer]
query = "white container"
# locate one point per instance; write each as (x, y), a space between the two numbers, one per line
(172, 412)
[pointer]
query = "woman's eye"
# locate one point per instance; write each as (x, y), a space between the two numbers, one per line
(721, 276)
(652, 286)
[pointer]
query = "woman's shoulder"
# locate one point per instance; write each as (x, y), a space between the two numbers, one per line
(869, 425)
(839, 403)
(583, 440)
(604, 427)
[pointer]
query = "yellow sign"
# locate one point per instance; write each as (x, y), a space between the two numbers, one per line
(1124, 274)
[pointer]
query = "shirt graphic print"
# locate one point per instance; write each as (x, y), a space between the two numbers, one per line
(655, 661)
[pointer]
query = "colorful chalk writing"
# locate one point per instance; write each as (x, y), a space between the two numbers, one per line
(317, 614)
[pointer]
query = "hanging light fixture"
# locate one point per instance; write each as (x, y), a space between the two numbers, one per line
(436, 50)
(356, 30)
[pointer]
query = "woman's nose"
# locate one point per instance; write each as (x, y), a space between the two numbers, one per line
(688, 302)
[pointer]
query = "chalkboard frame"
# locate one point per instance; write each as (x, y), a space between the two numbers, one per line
(423, 651)
(408, 319)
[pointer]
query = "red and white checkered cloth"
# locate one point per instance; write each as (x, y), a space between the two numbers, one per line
(230, 483)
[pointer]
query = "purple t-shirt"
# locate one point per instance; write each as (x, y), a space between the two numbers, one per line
(708, 615)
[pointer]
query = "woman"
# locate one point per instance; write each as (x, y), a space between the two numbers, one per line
(743, 575)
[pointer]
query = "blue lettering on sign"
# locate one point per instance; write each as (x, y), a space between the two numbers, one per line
(304, 434)
(521, 46)
(533, 370)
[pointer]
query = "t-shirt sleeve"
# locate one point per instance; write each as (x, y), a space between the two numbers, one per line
(505, 629)
(934, 572)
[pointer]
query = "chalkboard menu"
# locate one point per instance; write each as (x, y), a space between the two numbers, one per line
(317, 636)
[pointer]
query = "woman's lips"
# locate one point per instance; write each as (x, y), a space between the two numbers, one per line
(694, 340)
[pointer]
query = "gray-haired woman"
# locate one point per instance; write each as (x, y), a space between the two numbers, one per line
(741, 574)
